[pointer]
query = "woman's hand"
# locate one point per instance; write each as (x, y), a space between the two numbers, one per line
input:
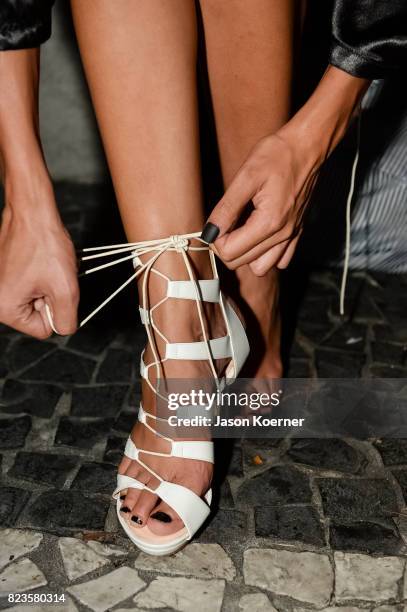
(37, 267)
(278, 178)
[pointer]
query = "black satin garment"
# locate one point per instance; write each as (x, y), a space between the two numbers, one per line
(369, 37)
(24, 23)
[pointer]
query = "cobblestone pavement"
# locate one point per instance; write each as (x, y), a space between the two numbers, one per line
(317, 524)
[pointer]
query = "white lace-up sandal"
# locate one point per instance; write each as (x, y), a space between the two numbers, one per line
(192, 509)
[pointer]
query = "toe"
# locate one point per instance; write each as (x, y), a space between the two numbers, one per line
(129, 500)
(164, 520)
(145, 504)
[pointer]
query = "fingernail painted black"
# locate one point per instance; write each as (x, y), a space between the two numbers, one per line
(162, 516)
(210, 232)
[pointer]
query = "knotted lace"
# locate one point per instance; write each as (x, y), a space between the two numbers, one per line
(154, 249)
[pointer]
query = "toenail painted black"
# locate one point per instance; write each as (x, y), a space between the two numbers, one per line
(137, 520)
(125, 509)
(122, 497)
(162, 516)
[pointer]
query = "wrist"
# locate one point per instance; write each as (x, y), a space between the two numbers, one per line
(321, 123)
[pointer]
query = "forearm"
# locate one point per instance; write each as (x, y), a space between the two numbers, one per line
(322, 122)
(27, 185)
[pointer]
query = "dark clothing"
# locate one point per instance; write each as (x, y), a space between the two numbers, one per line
(369, 37)
(24, 23)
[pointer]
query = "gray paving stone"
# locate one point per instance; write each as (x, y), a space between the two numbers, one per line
(13, 431)
(27, 350)
(289, 523)
(362, 577)
(182, 594)
(299, 368)
(392, 354)
(328, 454)
(78, 433)
(356, 499)
(366, 537)
(58, 511)
(23, 575)
(15, 543)
(35, 399)
(62, 366)
(199, 560)
(106, 550)
(116, 367)
(401, 477)
(78, 558)
(98, 401)
(96, 478)
(304, 576)
(109, 590)
(125, 421)
(387, 371)
(12, 502)
(60, 606)
(279, 485)
(256, 602)
(44, 468)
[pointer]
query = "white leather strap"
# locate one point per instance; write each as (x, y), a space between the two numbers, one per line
(208, 290)
(192, 510)
(144, 315)
(220, 349)
(238, 340)
(131, 451)
(126, 482)
(201, 450)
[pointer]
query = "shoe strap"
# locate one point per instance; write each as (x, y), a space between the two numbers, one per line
(126, 482)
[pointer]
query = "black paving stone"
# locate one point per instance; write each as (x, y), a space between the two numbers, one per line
(12, 502)
(14, 431)
(99, 401)
(226, 527)
(126, 421)
(81, 434)
(91, 339)
(236, 462)
(328, 454)
(357, 499)
(401, 477)
(385, 352)
(387, 371)
(349, 338)
(225, 496)
(279, 485)
(289, 523)
(38, 400)
(393, 451)
(62, 366)
(114, 450)
(315, 309)
(331, 364)
(27, 350)
(299, 368)
(96, 478)
(116, 367)
(58, 511)
(386, 333)
(366, 537)
(43, 468)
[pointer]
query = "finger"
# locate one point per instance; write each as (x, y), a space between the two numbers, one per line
(230, 206)
(31, 323)
(241, 241)
(63, 310)
(288, 255)
(256, 252)
(263, 264)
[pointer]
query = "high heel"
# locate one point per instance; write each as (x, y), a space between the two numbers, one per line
(192, 509)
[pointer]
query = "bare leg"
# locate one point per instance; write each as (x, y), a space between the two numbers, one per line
(140, 61)
(250, 56)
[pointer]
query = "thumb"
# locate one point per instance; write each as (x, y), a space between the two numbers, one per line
(228, 209)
